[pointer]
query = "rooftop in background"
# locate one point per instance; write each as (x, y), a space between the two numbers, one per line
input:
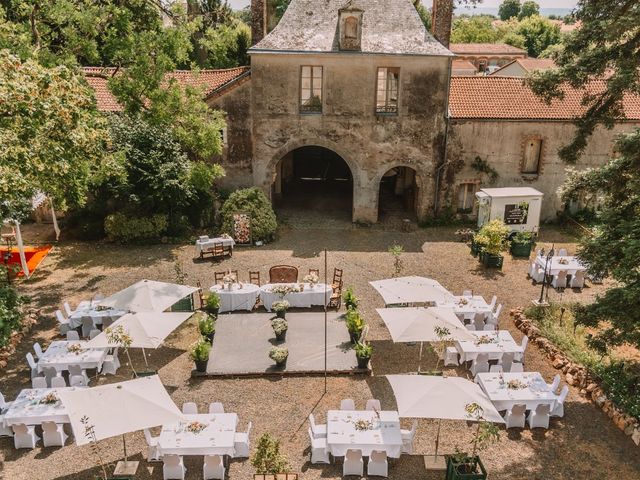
(485, 48)
(388, 27)
(463, 67)
(509, 98)
(208, 80)
(527, 65)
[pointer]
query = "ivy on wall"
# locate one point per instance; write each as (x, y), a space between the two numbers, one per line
(482, 166)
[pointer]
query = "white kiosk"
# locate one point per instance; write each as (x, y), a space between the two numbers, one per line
(518, 207)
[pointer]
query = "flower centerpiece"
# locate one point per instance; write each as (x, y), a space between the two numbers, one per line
(516, 384)
(75, 348)
(279, 355)
(563, 261)
(463, 301)
(195, 427)
(485, 340)
(311, 279)
(283, 290)
(280, 307)
(280, 328)
(49, 399)
(229, 279)
(363, 425)
(226, 236)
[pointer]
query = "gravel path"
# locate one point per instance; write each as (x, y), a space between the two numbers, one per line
(584, 444)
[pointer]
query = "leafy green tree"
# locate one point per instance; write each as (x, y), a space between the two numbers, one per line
(473, 29)
(613, 246)
(606, 45)
(227, 45)
(281, 7)
(529, 9)
(539, 33)
(509, 9)
(51, 135)
(425, 14)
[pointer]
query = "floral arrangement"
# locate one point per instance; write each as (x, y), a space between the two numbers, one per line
(75, 348)
(279, 326)
(279, 354)
(311, 279)
(229, 279)
(285, 289)
(463, 301)
(119, 336)
(280, 306)
(516, 384)
(563, 261)
(242, 227)
(485, 339)
(363, 425)
(226, 236)
(196, 427)
(49, 399)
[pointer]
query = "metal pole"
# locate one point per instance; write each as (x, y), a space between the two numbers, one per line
(124, 446)
(325, 320)
(420, 358)
(435, 457)
(144, 354)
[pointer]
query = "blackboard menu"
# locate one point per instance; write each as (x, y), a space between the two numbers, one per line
(516, 214)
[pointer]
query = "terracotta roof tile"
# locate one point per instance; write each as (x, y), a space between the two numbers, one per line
(510, 98)
(208, 80)
(485, 48)
(464, 67)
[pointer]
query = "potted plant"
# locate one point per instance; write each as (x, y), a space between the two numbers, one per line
(355, 324)
(363, 354)
(207, 327)
(267, 458)
(521, 244)
(279, 355)
(280, 328)
(212, 303)
(350, 299)
(492, 238)
(280, 307)
(199, 353)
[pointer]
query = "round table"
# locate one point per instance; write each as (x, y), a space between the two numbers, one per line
(242, 296)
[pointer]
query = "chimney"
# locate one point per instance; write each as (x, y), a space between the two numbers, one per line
(441, 14)
(263, 19)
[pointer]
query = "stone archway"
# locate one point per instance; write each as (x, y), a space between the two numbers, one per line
(401, 192)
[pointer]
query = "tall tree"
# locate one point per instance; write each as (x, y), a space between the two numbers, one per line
(474, 29)
(539, 33)
(607, 45)
(425, 14)
(509, 9)
(529, 9)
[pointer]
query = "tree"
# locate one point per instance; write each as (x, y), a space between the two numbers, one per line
(51, 135)
(425, 14)
(267, 457)
(509, 9)
(613, 246)
(529, 9)
(539, 33)
(227, 45)
(474, 29)
(607, 45)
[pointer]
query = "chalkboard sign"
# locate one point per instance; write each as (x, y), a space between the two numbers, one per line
(516, 214)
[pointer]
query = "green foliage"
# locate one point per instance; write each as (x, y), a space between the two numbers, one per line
(621, 382)
(363, 350)
(51, 135)
(120, 227)
(354, 321)
(493, 237)
(280, 306)
(482, 166)
(227, 45)
(350, 299)
(529, 9)
(278, 354)
(539, 34)
(199, 351)
(281, 7)
(509, 9)
(425, 14)
(254, 202)
(474, 29)
(267, 458)
(206, 324)
(396, 252)
(279, 325)
(10, 310)
(212, 302)
(522, 237)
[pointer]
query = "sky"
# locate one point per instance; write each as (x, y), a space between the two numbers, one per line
(485, 3)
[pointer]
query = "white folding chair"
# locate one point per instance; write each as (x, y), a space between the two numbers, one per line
(495, 369)
(506, 360)
(241, 443)
(562, 252)
(532, 269)
(94, 333)
(451, 356)
(50, 373)
(4, 405)
(189, 408)
(173, 468)
(24, 436)
(39, 382)
(72, 336)
(78, 370)
(53, 434)
(67, 309)
(520, 356)
(516, 368)
(478, 321)
(480, 364)
(107, 321)
(494, 316)
(471, 327)
(407, 438)
(38, 349)
(378, 464)
(577, 280)
(558, 409)
(216, 407)
(77, 381)
(353, 463)
(111, 363)
(59, 382)
(63, 323)
(347, 404)
(539, 417)
(319, 452)
(467, 293)
(560, 280)
(538, 275)
(5, 430)
(87, 325)
(553, 386)
(318, 431)
(515, 417)
(153, 452)
(213, 467)
(373, 404)
(492, 305)
(32, 364)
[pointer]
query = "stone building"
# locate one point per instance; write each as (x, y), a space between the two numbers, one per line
(487, 57)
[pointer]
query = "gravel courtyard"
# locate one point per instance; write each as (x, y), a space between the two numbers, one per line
(584, 444)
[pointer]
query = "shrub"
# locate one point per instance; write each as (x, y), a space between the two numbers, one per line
(199, 351)
(621, 382)
(10, 311)
(251, 201)
(350, 299)
(492, 237)
(267, 459)
(122, 228)
(206, 325)
(280, 306)
(212, 302)
(279, 354)
(354, 321)
(363, 350)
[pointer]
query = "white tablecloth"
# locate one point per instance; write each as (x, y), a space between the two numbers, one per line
(469, 350)
(203, 245)
(237, 298)
(75, 320)
(318, 295)
(216, 439)
(475, 304)
(503, 398)
(384, 435)
(555, 266)
(27, 408)
(60, 358)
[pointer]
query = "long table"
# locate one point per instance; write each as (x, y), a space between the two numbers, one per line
(216, 439)
(572, 266)
(383, 434)
(27, 409)
(319, 295)
(75, 319)
(59, 357)
(504, 398)
(501, 342)
(239, 297)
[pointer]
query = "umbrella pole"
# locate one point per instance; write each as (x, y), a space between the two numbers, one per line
(144, 354)
(435, 457)
(124, 446)
(420, 358)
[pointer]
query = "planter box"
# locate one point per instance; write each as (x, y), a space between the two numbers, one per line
(521, 249)
(475, 248)
(492, 261)
(201, 366)
(454, 471)
(363, 362)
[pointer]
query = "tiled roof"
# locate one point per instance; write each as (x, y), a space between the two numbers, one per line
(509, 98)
(462, 65)
(207, 80)
(485, 48)
(527, 64)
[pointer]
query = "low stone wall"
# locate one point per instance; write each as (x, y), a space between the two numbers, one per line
(30, 318)
(577, 376)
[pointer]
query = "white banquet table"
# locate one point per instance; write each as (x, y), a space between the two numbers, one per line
(501, 342)
(384, 435)
(473, 305)
(320, 294)
(216, 439)
(240, 297)
(504, 398)
(27, 408)
(59, 357)
(75, 319)
(572, 266)
(205, 245)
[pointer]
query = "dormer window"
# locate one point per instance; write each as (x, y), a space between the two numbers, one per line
(350, 28)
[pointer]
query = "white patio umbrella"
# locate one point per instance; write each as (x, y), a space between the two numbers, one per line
(419, 324)
(411, 290)
(421, 396)
(148, 296)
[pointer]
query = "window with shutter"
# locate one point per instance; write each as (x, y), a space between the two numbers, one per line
(531, 161)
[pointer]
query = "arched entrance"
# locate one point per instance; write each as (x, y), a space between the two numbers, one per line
(398, 195)
(314, 178)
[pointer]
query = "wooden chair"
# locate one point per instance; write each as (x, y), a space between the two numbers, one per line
(336, 296)
(217, 251)
(283, 274)
(254, 277)
(337, 277)
(218, 276)
(200, 294)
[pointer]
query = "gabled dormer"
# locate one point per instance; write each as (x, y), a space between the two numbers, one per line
(350, 27)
